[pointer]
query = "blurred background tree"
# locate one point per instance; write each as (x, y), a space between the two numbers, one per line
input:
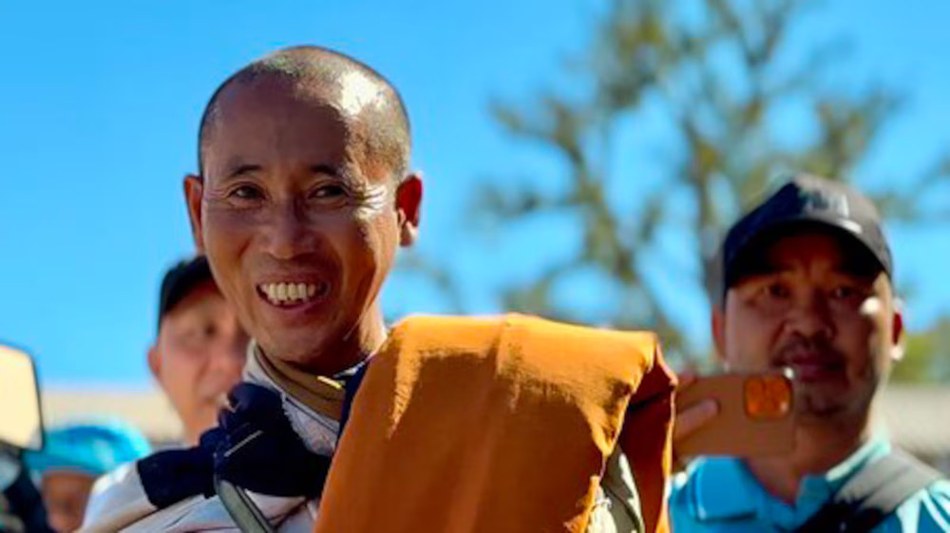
(926, 358)
(717, 85)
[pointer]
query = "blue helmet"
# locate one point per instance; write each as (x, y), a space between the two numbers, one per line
(92, 448)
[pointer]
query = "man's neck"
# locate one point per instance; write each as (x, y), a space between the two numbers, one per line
(315, 385)
(355, 347)
(819, 446)
(345, 350)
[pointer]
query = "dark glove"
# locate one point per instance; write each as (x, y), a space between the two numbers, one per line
(261, 452)
(172, 475)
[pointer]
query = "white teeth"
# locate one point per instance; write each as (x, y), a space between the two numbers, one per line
(282, 293)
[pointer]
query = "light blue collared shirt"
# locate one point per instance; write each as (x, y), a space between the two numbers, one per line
(720, 494)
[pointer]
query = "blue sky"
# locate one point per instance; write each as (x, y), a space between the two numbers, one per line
(99, 104)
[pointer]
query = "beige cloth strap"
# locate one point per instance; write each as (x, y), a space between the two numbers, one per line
(321, 394)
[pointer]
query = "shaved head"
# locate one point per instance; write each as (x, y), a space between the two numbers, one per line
(303, 198)
(334, 79)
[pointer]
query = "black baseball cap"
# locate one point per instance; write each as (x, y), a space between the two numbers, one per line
(803, 202)
(180, 280)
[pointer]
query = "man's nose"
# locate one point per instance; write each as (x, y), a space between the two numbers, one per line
(289, 235)
(811, 316)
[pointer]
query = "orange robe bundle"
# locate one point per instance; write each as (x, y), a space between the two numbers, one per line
(499, 425)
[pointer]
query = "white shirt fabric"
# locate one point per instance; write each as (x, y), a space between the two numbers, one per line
(118, 501)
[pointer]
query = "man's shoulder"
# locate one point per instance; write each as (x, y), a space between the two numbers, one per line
(905, 493)
(927, 510)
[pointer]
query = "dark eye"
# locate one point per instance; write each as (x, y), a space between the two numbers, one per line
(246, 192)
(776, 290)
(328, 191)
(845, 292)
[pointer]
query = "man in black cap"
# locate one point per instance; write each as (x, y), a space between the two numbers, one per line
(200, 348)
(807, 284)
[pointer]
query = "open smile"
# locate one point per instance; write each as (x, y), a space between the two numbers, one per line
(292, 293)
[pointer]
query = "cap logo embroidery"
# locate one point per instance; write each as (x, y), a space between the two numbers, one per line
(819, 201)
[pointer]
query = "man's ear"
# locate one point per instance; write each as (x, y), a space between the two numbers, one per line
(155, 362)
(408, 208)
(194, 188)
(897, 332)
(718, 326)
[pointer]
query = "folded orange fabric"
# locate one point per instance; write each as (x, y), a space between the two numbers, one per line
(499, 425)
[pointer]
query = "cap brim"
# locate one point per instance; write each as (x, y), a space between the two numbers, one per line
(185, 280)
(768, 234)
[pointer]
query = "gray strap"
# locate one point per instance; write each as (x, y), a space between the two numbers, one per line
(873, 494)
(242, 510)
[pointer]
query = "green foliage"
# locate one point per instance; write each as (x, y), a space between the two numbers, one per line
(718, 72)
(927, 356)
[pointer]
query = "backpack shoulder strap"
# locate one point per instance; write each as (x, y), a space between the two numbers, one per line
(246, 515)
(873, 494)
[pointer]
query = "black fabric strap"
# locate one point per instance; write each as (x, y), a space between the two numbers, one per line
(873, 494)
(246, 515)
(172, 475)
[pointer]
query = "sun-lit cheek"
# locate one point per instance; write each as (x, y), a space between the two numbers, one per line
(228, 235)
(363, 229)
(368, 258)
(221, 219)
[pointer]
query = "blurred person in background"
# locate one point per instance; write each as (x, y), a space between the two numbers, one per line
(197, 357)
(200, 348)
(73, 457)
(806, 284)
